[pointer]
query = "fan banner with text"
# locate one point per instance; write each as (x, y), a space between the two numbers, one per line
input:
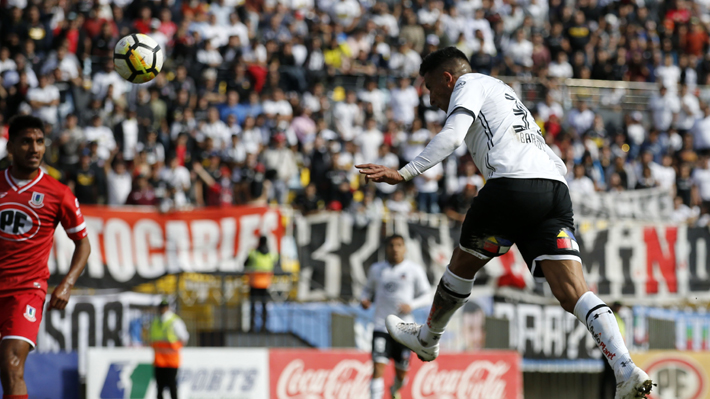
(132, 246)
(346, 374)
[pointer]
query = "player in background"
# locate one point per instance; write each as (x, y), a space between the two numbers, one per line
(525, 201)
(31, 205)
(398, 286)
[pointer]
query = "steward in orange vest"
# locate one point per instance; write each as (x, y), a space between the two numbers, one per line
(167, 335)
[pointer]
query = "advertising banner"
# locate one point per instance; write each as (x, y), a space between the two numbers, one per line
(51, 376)
(653, 204)
(679, 375)
(131, 246)
(298, 374)
(205, 373)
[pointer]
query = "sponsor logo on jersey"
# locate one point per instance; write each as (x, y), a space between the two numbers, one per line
(30, 313)
(37, 200)
(18, 222)
(460, 84)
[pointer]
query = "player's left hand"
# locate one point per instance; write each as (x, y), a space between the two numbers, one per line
(60, 297)
(404, 308)
(380, 174)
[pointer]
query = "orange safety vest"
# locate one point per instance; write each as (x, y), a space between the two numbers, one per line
(165, 343)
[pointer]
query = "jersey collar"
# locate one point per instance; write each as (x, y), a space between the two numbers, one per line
(27, 186)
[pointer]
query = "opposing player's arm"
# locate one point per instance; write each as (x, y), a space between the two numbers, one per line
(61, 294)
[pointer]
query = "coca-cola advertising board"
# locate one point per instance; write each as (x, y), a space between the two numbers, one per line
(313, 374)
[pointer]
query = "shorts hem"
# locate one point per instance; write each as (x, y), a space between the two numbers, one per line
(21, 338)
(553, 257)
(474, 253)
(381, 359)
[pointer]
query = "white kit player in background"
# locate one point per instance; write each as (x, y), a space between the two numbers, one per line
(398, 287)
(525, 202)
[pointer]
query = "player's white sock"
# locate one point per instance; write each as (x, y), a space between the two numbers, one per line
(451, 293)
(398, 384)
(601, 323)
(377, 388)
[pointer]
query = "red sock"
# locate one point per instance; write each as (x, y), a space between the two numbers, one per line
(14, 396)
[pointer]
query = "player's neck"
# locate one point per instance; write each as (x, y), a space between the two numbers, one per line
(23, 174)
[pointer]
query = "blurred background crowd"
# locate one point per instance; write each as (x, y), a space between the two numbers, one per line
(274, 101)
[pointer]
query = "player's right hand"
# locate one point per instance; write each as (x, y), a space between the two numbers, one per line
(380, 174)
(365, 304)
(60, 297)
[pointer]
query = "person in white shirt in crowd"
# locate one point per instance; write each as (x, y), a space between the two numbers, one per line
(404, 100)
(397, 286)
(346, 115)
(383, 18)
(346, 13)
(177, 178)
(550, 107)
(701, 130)
(280, 163)
(100, 134)
(118, 182)
(370, 141)
(427, 185)
(560, 67)
(398, 203)
(154, 150)
(416, 140)
(689, 110)
(277, 105)
(237, 28)
(373, 95)
(470, 177)
(668, 74)
(44, 100)
(386, 157)
(581, 183)
(683, 213)
(216, 130)
(66, 62)
(6, 63)
(108, 77)
(520, 50)
(209, 56)
(581, 117)
(664, 173)
(405, 60)
(664, 107)
(475, 23)
(126, 134)
(454, 23)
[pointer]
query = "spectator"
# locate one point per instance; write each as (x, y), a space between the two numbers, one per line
(118, 182)
(701, 130)
(102, 136)
(581, 183)
(44, 100)
(404, 101)
(689, 111)
(398, 204)
(142, 192)
(347, 115)
(177, 181)
(280, 166)
(428, 189)
(664, 108)
(581, 117)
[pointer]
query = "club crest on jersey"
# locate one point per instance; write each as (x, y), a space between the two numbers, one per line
(30, 313)
(37, 200)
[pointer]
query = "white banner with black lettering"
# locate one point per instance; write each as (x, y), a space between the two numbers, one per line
(648, 204)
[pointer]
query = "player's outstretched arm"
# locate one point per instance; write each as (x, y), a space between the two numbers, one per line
(61, 294)
(380, 174)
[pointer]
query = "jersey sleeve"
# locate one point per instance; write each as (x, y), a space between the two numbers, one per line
(71, 217)
(422, 289)
(468, 94)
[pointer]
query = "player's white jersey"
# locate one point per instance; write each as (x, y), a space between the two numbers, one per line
(391, 286)
(504, 139)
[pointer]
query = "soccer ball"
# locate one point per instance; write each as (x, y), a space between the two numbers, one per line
(138, 58)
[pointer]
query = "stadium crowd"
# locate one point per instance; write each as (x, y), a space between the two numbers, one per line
(250, 106)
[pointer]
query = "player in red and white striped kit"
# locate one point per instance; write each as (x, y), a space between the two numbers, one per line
(31, 205)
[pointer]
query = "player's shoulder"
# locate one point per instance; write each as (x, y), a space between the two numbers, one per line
(477, 78)
(377, 266)
(53, 186)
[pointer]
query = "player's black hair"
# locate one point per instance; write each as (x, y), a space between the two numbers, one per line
(20, 123)
(393, 237)
(441, 57)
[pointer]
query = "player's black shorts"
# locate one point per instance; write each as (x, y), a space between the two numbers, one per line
(535, 214)
(385, 348)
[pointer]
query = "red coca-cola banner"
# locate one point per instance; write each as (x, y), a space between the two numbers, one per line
(313, 374)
